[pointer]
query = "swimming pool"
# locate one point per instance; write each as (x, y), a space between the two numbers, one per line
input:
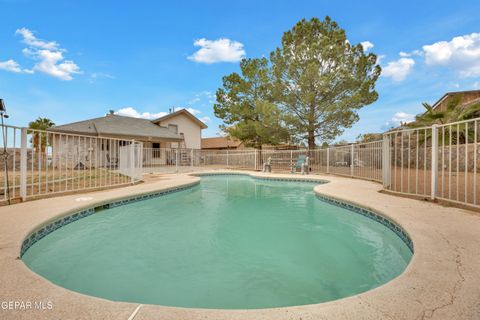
(232, 242)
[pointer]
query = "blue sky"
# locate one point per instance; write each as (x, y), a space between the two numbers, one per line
(72, 60)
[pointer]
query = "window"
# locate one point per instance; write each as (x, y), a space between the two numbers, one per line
(156, 150)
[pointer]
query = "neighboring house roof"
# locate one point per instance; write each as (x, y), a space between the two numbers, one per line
(220, 143)
(179, 112)
(118, 126)
(454, 93)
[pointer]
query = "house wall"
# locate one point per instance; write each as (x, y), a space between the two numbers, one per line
(191, 130)
(466, 98)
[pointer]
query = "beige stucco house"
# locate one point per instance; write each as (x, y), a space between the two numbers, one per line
(178, 129)
(186, 125)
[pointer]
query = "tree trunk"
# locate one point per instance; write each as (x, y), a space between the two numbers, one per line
(311, 139)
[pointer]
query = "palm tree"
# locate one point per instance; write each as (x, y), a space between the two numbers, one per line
(39, 138)
(452, 113)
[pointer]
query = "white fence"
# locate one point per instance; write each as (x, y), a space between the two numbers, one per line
(438, 162)
(37, 163)
(363, 160)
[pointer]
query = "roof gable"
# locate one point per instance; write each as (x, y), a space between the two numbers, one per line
(451, 94)
(180, 112)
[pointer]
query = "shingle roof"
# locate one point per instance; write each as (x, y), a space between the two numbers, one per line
(115, 125)
(452, 94)
(220, 143)
(185, 112)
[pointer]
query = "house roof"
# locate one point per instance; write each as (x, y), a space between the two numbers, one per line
(453, 93)
(118, 126)
(220, 143)
(182, 111)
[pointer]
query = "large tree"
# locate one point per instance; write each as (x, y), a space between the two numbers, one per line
(321, 80)
(246, 105)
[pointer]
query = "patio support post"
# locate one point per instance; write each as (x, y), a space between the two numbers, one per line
(352, 158)
(23, 164)
(132, 162)
(434, 160)
(386, 161)
(328, 159)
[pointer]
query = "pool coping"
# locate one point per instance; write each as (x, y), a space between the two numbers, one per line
(441, 281)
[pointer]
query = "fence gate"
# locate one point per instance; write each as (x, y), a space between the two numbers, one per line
(131, 160)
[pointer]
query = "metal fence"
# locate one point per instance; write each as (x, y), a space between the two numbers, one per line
(36, 163)
(439, 162)
(362, 160)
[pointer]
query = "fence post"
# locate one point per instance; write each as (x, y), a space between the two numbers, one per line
(132, 161)
(386, 161)
(434, 169)
(255, 165)
(227, 158)
(176, 160)
(352, 158)
(328, 159)
(23, 164)
(191, 158)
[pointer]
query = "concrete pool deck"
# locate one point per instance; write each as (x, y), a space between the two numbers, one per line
(441, 282)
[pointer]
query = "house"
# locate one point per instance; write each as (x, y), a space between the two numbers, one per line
(466, 98)
(178, 129)
(221, 143)
(186, 125)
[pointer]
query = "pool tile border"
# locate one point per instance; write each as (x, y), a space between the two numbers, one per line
(49, 227)
(309, 180)
(398, 230)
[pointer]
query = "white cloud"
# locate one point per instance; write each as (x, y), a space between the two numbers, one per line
(367, 45)
(476, 85)
(30, 39)
(380, 58)
(220, 50)
(49, 57)
(461, 54)
(398, 70)
(397, 119)
(53, 64)
(99, 75)
(412, 53)
(131, 112)
(202, 98)
(193, 111)
(10, 65)
(205, 119)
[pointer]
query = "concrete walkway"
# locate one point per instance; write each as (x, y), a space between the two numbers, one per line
(441, 282)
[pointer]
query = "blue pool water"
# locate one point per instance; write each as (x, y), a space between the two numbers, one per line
(232, 242)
